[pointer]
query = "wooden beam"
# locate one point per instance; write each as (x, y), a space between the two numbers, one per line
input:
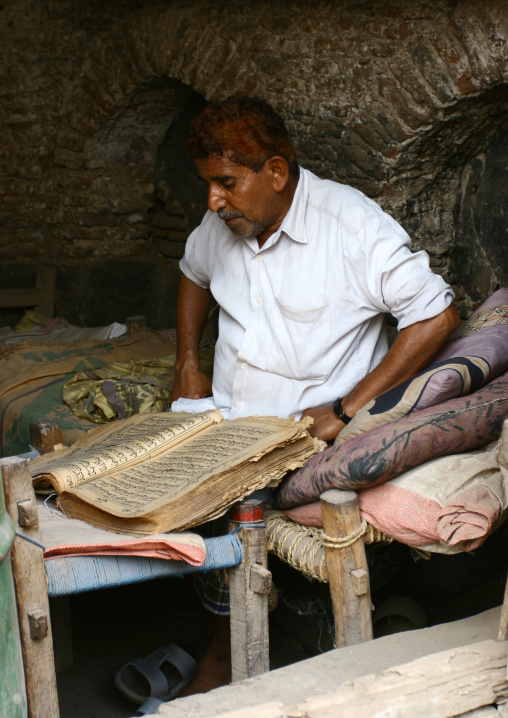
(348, 573)
(31, 591)
(441, 685)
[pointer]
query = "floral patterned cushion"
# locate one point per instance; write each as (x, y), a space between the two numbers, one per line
(476, 354)
(387, 451)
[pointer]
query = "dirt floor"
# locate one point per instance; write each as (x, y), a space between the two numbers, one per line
(113, 626)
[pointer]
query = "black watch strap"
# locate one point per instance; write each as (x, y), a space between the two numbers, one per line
(339, 411)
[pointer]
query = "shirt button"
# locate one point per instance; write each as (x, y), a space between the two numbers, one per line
(239, 404)
(259, 258)
(258, 300)
(244, 365)
(252, 337)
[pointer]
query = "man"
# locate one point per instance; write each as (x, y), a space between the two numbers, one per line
(303, 271)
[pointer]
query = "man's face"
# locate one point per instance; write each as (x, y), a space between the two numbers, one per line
(245, 200)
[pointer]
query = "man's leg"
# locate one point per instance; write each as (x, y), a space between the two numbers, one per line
(214, 663)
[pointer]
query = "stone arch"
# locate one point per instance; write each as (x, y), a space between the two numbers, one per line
(141, 154)
(141, 201)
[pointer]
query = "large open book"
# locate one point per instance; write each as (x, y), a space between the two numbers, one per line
(153, 473)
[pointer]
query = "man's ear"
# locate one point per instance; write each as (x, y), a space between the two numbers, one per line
(279, 172)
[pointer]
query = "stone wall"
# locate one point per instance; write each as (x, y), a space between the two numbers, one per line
(406, 101)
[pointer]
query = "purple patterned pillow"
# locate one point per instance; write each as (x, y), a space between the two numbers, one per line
(484, 334)
(385, 452)
(476, 354)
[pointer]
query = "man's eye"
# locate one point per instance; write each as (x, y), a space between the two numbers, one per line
(228, 185)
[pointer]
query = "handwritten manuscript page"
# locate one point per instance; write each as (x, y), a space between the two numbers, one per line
(108, 448)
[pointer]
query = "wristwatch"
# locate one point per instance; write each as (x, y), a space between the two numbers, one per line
(339, 411)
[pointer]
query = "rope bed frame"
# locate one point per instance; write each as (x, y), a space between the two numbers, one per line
(304, 547)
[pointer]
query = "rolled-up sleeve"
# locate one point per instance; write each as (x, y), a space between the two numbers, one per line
(401, 281)
(197, 262)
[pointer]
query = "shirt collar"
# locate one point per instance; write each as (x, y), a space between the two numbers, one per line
(293, 223)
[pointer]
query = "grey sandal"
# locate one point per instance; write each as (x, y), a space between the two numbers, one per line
(160, 675)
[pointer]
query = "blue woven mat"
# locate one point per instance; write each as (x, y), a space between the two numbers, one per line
(77, 574)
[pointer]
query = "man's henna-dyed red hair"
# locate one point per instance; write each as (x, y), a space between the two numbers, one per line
(246, 130)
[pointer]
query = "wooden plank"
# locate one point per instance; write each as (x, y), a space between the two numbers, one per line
(249, 584)
(19, 297)
(484, 712)
(441, 685)
(31, 593)
(348, 573)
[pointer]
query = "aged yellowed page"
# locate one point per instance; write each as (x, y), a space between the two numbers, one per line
(204, 475)
(115, 446)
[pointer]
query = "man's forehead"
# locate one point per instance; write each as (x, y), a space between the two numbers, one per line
(219, 168)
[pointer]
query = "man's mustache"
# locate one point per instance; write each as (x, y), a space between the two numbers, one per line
(223, 214)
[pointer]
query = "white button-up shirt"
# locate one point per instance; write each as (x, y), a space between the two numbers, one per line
(302, 319)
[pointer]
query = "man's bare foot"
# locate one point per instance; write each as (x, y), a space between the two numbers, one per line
(214, 669)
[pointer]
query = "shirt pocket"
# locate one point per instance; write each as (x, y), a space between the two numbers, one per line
(301, 343)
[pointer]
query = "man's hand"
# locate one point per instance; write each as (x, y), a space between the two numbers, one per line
(326, 426)
(190, 383)
(193, 305)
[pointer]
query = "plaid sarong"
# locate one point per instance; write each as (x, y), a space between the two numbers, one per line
(213, 592)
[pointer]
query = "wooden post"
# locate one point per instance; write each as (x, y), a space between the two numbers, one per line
(45, 435)
(503, 622)
(31, 591)
(502, 453)
(136, 324)
(348, 574)
(502, 456)
(249, 586)
(45, 285)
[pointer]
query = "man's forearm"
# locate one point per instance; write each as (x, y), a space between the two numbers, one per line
(193, 306)
(413, 350)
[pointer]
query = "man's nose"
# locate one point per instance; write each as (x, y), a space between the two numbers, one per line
(216, 200)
